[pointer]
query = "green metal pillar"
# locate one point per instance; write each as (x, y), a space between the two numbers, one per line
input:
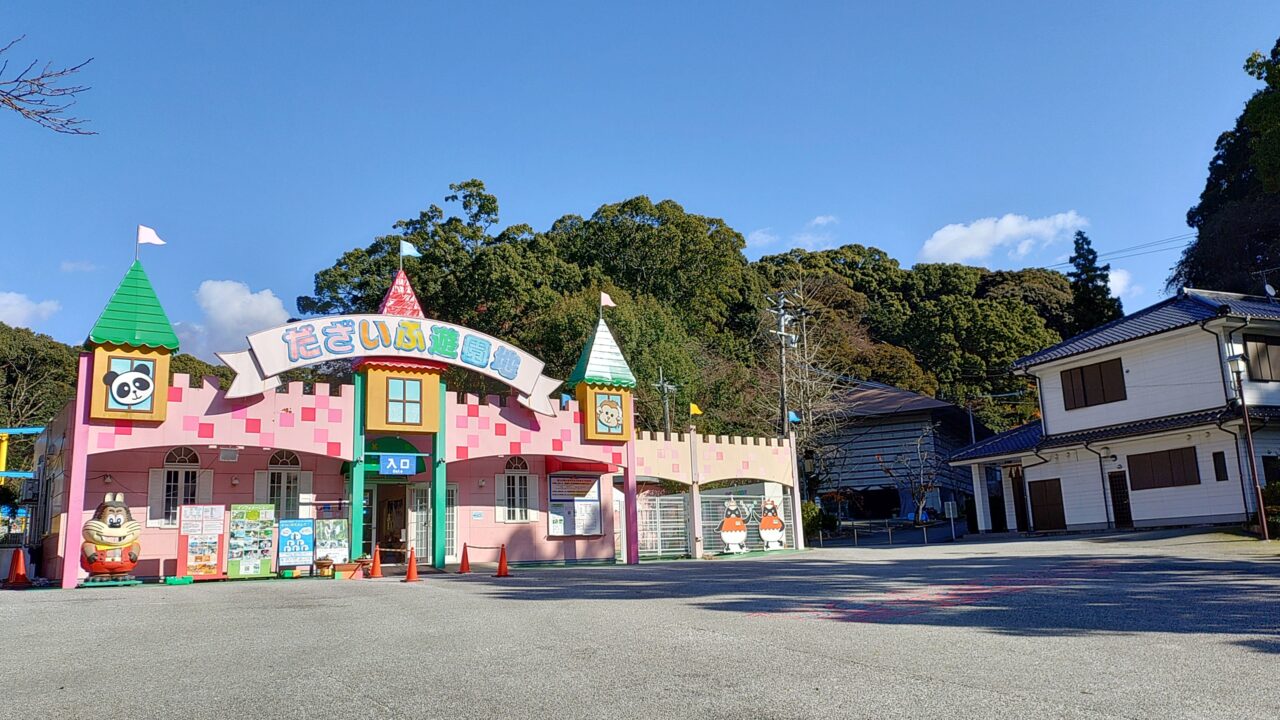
(357, 470)
(438, 477)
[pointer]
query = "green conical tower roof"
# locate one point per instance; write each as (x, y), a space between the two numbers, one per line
(133, 316)
(601, 362)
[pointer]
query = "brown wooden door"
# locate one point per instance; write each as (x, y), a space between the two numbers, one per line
(1046, 505)
(1120, 509)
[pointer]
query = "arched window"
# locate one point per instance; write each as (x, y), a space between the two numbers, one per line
(514, 491)
(285, 459)
(182, 456)
(181, 473)
(284, 471)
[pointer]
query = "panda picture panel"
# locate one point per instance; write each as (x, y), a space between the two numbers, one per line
(129, 384)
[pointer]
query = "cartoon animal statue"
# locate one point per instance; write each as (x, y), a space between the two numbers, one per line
(772, 530)
(733, 529)
(110, 550)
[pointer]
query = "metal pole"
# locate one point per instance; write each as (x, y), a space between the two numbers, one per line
(1253, 463)
(889, 527)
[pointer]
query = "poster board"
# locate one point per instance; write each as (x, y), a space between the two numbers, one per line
(202, 540)
(297, 543)
(252, 543)
(573, 505)
(332, 540)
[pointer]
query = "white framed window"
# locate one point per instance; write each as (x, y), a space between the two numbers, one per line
(515, 496)
(180, 482)
(283, 483)
(404, 401)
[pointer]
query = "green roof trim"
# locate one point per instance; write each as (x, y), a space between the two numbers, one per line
(602, 363)
(133, 316)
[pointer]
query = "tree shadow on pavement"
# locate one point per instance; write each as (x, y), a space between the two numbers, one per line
(1027, 595)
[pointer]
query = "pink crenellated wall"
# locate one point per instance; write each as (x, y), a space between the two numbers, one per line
(129, 472)
(317, 423)
(526, 542)
(719, 458)
(474, 430)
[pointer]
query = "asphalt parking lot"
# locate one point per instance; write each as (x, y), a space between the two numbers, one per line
(1134, 626)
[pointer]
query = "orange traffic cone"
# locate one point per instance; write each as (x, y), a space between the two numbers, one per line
(502, 563)
(465, 567)
(411, 575)
(376, 570)
(18, 579)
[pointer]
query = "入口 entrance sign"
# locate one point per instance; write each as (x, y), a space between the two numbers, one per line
(347, 337)
(397, 464)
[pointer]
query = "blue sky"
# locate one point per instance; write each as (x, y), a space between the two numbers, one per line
(261, 142)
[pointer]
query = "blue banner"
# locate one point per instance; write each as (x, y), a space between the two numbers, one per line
(297, 542)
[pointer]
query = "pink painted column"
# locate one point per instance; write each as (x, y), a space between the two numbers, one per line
(76, 477)
(797, 517)
(629, 500)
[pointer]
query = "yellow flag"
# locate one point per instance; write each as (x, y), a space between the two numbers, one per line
(694, 409)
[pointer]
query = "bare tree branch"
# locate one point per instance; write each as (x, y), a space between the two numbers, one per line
(43, 98)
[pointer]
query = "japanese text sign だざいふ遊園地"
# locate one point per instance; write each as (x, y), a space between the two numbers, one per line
(347, 337)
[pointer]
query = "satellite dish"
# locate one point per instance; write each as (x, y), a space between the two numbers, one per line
(1271, 292)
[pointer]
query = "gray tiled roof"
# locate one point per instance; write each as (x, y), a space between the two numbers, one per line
(1030, 437)
(1188, 307)
(1140, 427)
(1021, 439)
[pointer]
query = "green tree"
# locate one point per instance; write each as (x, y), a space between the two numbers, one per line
(1091, 300)
(691, 263)
(1046, 291)
(37, 379)
(1237, 220)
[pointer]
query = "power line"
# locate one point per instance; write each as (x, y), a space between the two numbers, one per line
(1174, 242)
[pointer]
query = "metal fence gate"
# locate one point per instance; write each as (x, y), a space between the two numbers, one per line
(663, 525)
(713, 510)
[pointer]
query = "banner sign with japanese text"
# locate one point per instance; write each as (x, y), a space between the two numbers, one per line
(347, 337)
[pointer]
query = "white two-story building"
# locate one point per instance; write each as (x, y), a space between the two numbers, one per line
(1141, 424)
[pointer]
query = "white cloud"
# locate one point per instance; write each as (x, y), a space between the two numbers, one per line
(1122, 284)
(823, 220)
(761, 238)
(813, 241)
(70, 266)
(231, 311)
(19, 310)
(1019, 235)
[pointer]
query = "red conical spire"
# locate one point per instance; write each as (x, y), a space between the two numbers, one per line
(400, 299)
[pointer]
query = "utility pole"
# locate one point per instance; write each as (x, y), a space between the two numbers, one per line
(665, 388)
(779, 303)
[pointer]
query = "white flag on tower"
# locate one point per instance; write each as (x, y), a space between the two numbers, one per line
(148, 236)
(606, 301)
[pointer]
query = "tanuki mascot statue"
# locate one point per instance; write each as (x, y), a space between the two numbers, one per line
(110, 550)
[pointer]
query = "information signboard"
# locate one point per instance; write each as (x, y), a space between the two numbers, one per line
(332, 540)
(573, 505)
(252, 544)
(297, 542)
(201, 541)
